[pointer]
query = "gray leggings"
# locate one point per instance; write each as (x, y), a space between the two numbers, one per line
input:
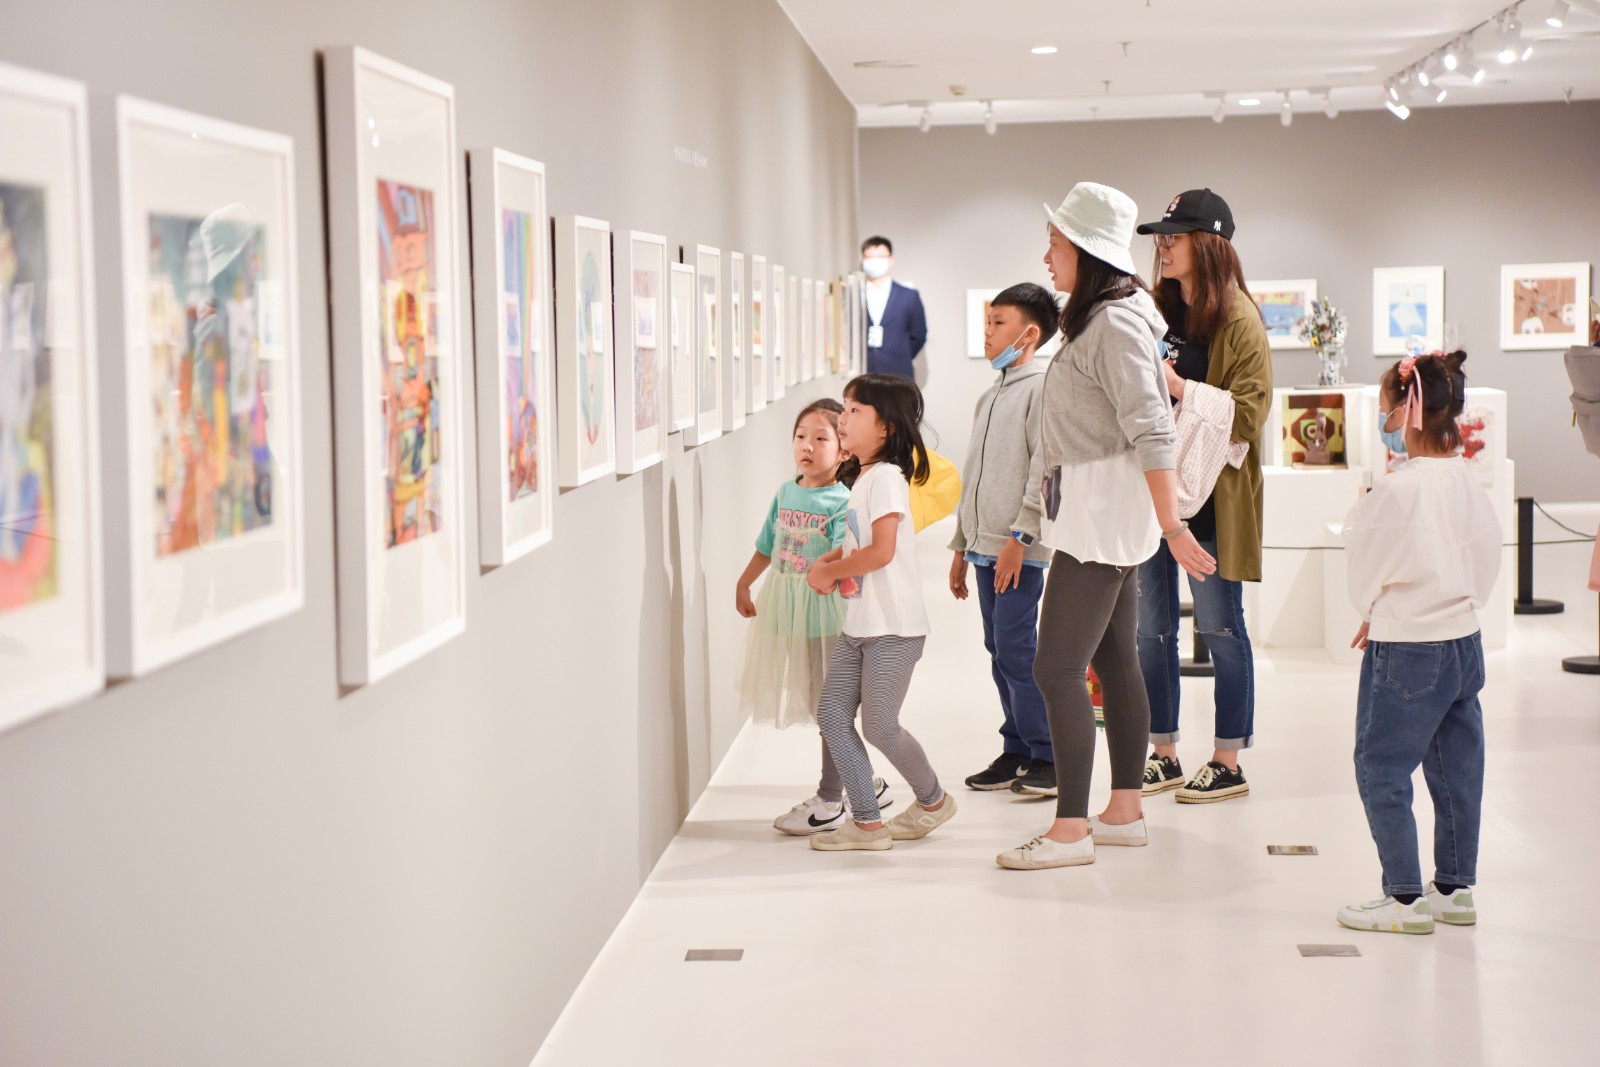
(1090, 614)
(873, 673)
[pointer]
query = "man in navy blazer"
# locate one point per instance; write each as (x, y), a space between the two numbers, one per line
(896, 326)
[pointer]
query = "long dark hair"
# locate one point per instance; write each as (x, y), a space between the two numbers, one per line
(1098, 282)
(898, 403)
(1443, 386)
(1218, 275)
(830, 410)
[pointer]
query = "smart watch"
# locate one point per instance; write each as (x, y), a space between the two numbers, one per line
(1025, 540)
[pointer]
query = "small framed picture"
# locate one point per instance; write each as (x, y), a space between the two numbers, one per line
(978, 319)
(708, 333)
(1283, 304)
(806, 330)
(586, 443)
(642, 355)
(757, 363)
(1407, 302)
(777, 333)
(681, 333)
(735, 400)
(1544, 306)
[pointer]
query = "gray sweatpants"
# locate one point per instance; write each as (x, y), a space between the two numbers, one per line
(873, 673)
(1090, 614)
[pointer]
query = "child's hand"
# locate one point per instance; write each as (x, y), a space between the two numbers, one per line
(958, 577)
(1360, 640)
(1008, 568)
(742, 601)
(820, 580)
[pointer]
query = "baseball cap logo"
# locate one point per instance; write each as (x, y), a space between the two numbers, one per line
(1173, 206)
(1217, 225)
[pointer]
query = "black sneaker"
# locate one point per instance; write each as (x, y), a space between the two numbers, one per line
(1040, 781)
(1006, 769)
(1161, 773)
(1214, 782)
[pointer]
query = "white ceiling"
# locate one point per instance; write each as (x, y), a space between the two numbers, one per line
(1178, 52)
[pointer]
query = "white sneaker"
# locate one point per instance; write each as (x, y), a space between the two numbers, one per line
(1128, 833)
(813, 816)
(881, 788)
(851, 837)
(917, 821)
(1389, 916)
(1457, 909)
(1042, 852)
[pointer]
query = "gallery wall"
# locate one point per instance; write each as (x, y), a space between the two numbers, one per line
(234, 861)
(1468, 188)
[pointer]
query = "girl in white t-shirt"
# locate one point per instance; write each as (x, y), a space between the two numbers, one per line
(885, 622)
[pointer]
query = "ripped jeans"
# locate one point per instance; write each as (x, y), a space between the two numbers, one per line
(1219, 619)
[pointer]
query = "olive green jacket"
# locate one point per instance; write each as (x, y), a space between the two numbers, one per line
(1241, 363)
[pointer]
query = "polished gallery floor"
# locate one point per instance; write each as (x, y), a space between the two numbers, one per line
(1184, 951)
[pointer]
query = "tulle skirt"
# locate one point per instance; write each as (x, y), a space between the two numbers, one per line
(787, 651)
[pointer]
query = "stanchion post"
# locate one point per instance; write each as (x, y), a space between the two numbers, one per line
(1584, 664)
(1525, 603)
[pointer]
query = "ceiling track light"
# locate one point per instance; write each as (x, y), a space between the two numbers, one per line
(1471, 71)
(1451, 58)
(1324, 97)
(989, 123)
(1399, 111)
(1510, 39)
(1443, 92)
(926, 121)
(1286, 112)
(1558, 14)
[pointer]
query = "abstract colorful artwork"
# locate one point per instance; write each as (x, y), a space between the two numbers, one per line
(1283, 304)
(1542, 305)
(408, 339)
(1407, 303)
(208, 385)
(524, 405)
(27, 521)
(1313, 430)
(646, 361)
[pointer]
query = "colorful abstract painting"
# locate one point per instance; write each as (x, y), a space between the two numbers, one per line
(1313, 430)
(1544, 305)
(27, 529)
(208, 384)
(646, 359)
(408, 333)
(522, 355)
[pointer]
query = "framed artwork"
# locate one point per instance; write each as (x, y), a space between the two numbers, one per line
(1407, 302)
(757, 363)
(642, 355)
(216, 537)
(836, 355)
(681, 377)
(804, 362)
(735, 396)
(858, 323)
(1544, 306)
(586, 445)
(399, 429)
(819, 324)
(708, 333)
(1283, 304)
(978, 319)
(1312, 426)
(52, 624)
(777, 335)
(516, 380)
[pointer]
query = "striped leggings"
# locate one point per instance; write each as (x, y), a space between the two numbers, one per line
(872, 673)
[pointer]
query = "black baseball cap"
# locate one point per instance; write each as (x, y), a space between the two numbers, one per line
(1197, 209)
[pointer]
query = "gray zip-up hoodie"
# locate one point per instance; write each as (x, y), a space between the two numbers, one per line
(1000, 478)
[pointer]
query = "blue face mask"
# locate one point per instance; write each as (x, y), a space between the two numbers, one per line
(1010, 355)
(1394, 440)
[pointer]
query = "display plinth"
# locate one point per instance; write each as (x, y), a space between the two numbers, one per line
(1284, 610)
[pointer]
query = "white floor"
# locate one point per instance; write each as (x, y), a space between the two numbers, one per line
(1184, 951)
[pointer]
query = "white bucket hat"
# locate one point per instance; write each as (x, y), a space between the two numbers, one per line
(1099, 220)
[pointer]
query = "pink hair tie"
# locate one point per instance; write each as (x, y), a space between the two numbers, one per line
(1408, 372)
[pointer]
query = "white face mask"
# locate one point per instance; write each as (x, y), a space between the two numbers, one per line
(876, 267)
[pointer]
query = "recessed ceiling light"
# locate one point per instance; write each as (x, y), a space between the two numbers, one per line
(1044, 50)
(1250, 101)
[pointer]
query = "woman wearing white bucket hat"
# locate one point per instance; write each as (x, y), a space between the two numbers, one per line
(1109, 452)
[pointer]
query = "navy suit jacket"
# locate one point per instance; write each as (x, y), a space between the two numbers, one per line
(905, 331)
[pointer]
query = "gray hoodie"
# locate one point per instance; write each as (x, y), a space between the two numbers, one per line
(1001, 475)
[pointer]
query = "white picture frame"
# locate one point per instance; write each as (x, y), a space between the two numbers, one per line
(642, 353)
(515, 355)
(735, 382)
(756, 365)
(858, 322)
(1544, 306)
(1283, 304)
(215, 541)
(1407, 302)
(978, 319)
(794, 317)
(394, 201)
(52, 613)
(709, 329)
(586, 364)
(811, 335)
(682, 334)
(777, 327)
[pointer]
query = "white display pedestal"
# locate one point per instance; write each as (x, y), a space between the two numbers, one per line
(1284, 610)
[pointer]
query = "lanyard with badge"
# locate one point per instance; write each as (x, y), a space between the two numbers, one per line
(874, 329)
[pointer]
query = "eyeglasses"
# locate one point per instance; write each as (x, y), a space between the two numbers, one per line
(1167, 240)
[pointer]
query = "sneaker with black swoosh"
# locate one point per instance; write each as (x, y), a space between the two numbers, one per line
(817, 816)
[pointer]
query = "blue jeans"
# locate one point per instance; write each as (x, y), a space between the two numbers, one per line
(1011, 634)
(1219, 619)
(1419, 704)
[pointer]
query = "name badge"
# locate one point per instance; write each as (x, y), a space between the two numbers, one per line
(874, 336)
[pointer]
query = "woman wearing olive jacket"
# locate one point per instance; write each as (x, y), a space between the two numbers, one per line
(1214, 335)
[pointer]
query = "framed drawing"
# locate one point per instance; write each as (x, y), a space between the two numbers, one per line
(516, 383)
(215, 541)
(819, 327)
(757, 362)
(1312, 425)
(52, 622)
(586, 445)
(858, 323)
(805, 362)
(1407, 302)
(708, 334)
(978, 319)
(735, 398)
(835, 332)
(399, 429)
(642, 354)
(793, 316)
(777, 337)
(1544, 306)
(681, 377)
(1283, 304)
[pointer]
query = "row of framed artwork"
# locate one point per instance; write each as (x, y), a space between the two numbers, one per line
(210, 429)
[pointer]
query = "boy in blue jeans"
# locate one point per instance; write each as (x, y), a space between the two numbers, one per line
(997, 530)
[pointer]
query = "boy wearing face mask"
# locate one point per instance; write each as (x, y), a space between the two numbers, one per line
(997, 531)
(897, 328)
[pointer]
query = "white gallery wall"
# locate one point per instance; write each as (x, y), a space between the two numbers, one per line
(1468, 188)
(234, 861)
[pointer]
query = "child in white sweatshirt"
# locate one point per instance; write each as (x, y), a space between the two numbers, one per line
(1424, 552)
